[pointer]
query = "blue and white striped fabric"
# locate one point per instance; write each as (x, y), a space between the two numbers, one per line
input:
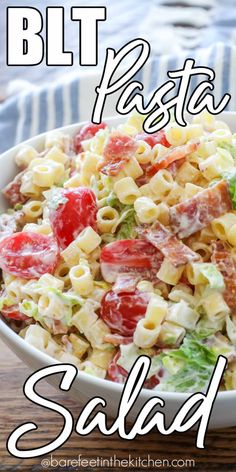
(72, 101)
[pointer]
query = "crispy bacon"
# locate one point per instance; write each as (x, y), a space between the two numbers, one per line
(224, 262)
(161, 238)
(117, 152)
(155, 138)
(12, 191)
(197, 212)
(175, 154)
(117, 339)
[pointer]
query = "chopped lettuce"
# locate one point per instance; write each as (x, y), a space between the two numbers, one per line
(190, 367)
(228, 146)
(7, 301)
(187, 369)
(127, 224)
(130, 353)
(113, 201)
(212, 274)
(208, 326)
(69, 298)
(29, 308)
(230, 177)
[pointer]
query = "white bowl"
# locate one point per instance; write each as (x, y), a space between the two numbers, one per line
(86, 386)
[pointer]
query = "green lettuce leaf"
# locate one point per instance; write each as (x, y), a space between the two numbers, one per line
(127, 225)
(230, 177)
(190, 366)
(208, 326)
(29, 308)
(7, 301)
(113, 201)
(212, 274)
(228, 146)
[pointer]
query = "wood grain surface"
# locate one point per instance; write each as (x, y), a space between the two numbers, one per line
(15, 409)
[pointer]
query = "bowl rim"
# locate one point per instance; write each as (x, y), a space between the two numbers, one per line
(12, 338)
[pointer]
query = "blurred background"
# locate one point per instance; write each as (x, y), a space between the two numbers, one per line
(170, 26)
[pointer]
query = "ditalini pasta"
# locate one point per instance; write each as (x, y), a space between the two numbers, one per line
(119, 243)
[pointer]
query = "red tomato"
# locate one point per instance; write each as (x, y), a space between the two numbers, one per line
(152, 139)
(77, 210)
(86, 132)
(13, 313)
(122, 311)
(130, 255)
(28, 255)
(118, 374)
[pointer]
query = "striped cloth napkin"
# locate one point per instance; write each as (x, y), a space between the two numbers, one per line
(72, 100)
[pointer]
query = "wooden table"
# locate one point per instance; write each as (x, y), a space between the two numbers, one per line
(15, 409)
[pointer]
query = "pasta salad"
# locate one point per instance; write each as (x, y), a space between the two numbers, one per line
(119, 243)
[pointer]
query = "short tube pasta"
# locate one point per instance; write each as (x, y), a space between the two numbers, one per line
(88, 240)
(133, 169)
(25, 155)
(43, 228)
(175, 134)
(62, 273)
(213, 304)
(203, 249)
(81, 279)
(127, 190)
(146, 334)
(170, 334)
(33, 210)
(144, 152)
(222, 225)
(194, 275)
(107, 219)
(146, 209)
(161, 184)
(28, 188)
(181, 314)
(168, 273)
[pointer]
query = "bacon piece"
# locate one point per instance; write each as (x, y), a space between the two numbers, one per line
(117, 339)
(10, 224)
(173, 155)
(12, 191)
(117, 152)
(155, 138)
(161, 238)
(224, 262)
(175, 166)
(197, 212)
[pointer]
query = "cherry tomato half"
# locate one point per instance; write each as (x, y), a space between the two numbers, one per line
(28, 255)
(130, 255)
(13, 313)
(122, 311)
(77, 211)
